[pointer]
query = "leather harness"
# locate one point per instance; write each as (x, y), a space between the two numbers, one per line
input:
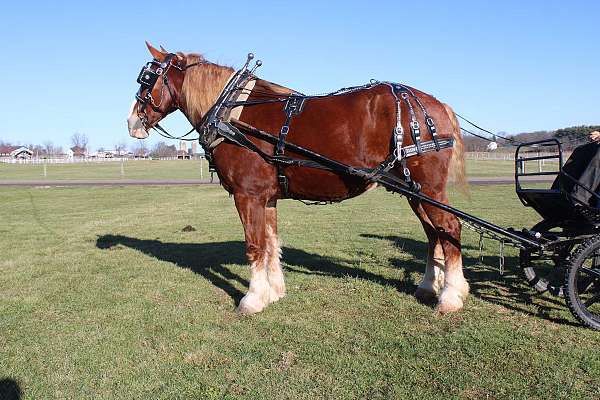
(217, 125)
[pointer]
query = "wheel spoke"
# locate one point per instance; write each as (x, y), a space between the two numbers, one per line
(593, 272)
(592, 300)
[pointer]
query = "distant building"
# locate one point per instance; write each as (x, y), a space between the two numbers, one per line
(183, 155)
(78, 152)
(15, 152)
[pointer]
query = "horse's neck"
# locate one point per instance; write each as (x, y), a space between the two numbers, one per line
(201, 90)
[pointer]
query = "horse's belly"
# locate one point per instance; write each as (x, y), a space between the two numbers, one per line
(319, 185)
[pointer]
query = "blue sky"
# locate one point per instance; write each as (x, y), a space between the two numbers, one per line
(511, 66)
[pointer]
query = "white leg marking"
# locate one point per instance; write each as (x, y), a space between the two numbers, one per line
(455, 289)
(258, 294)
(274, 271)
(433, 280)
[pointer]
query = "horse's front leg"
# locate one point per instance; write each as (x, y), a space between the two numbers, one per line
(274, 271)
(253, 215)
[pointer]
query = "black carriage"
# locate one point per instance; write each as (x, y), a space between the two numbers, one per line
(567, 262)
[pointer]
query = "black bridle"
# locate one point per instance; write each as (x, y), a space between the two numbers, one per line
(149, 75)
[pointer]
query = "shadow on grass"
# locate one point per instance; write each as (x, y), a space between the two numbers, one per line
(9, 389)
(209, 260)
(510, 290)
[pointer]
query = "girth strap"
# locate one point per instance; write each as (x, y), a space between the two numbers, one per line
(293, 106)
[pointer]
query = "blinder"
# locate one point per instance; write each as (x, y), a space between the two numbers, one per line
(149, 76)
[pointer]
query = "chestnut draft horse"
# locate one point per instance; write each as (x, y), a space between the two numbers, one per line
(353, 128)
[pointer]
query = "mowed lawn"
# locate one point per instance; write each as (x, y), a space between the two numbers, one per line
(183, 169)
(108, 170)
(102, 295)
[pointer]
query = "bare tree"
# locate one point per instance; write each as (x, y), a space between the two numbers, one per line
(38, 150)
(140, 148)
(49, 147)
(121, 146)
(161, 149)
(80, 140)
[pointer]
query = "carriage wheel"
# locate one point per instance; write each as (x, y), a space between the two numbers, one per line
(582, 286)
(545, 275)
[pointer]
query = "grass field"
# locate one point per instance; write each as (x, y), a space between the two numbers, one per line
(176, 170)
(138, 169)
(102, 295)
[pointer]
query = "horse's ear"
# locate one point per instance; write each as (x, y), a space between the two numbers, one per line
(157, 54)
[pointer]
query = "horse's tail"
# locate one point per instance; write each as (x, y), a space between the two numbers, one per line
(457, 163)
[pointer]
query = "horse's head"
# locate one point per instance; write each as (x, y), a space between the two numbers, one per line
(159, 95)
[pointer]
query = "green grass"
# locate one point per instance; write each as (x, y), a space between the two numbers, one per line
(103, 296)
(181, 169)
(138, 169)
(492, 168)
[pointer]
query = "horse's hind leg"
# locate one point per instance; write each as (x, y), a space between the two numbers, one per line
(433, 279)
(455, 288)
(274, 271)
(253, 215)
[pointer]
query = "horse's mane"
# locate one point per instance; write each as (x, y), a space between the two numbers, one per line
(202, 85)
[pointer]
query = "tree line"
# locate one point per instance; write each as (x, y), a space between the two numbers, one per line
(139, 148)
(571, 137)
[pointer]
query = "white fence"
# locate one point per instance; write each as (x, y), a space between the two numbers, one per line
(497, 156)
(88, 160)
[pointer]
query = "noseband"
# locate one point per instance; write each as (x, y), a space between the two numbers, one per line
(147, 79)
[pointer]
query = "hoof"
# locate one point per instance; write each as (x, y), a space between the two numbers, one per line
(249, 305)
(425, 296)
(445, 308)
(450, 301)
(276, 295)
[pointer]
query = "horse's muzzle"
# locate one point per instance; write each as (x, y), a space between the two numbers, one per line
(135, 126)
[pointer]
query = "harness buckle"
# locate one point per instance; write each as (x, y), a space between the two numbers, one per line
(283, 183)
(284, 130)
(430, 123)
(294, 104)
(415, 127)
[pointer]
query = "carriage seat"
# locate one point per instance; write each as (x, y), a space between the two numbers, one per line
(575, 166)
